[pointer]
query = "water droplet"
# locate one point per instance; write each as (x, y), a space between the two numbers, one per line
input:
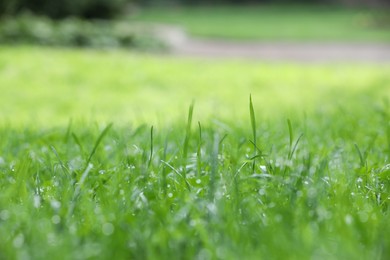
(198, 181)
(56, 219)
(108, 229)
(4, 214)
(18, 241)
(55, 204)
(170, 195)
(37, 201)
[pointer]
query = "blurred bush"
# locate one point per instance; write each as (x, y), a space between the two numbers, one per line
(65, 8)
(29, 29)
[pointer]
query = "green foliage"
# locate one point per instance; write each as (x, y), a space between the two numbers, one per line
(28, 29)
(65, 8)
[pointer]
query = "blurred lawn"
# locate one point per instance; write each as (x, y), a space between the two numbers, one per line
(291, 23)
(50, 86)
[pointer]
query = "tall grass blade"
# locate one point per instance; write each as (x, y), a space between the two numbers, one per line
(253, 124)
(164, 171)
(64, 169)
(199, 151)
(100, 138)
(361, 157)
(77, 141)
(77, 191)
(214, 166)
(290, 131)
(68, 131)
(151, 147)
(187, 139)
(294, 147)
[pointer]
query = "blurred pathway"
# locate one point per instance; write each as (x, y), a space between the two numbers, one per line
(182, 45)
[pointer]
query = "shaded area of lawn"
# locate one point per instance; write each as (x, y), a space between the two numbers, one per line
(274, 23)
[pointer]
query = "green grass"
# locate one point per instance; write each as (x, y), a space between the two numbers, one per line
(270, 23)
(50, 86)
(300, 171)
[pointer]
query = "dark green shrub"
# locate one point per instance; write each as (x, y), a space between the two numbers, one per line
(65, 8)
(28, 29)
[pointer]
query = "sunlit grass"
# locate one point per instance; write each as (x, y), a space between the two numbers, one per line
(50, 86)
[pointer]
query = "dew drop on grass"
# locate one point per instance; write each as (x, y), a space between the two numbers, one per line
(212, 208)
(73, 229)
(97, 210)
(51, 239)
(170, 195)
(263, 168)
(198, 181)
(56, 219)
(18, 241)
(55, 204)
(312, 193)
(37, 201)
(108, 229)
(204, 254)
(4, 214)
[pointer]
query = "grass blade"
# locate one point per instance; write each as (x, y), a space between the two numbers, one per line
(100, 138)
(199, 151)
(361, 157)
(187, 138)
(151, 146)
(214, 166)
(253, 124)
(64, 169)
(295, 147)
(77, 141)
(290, 131)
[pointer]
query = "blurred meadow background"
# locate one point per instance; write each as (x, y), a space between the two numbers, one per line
(118, 140)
